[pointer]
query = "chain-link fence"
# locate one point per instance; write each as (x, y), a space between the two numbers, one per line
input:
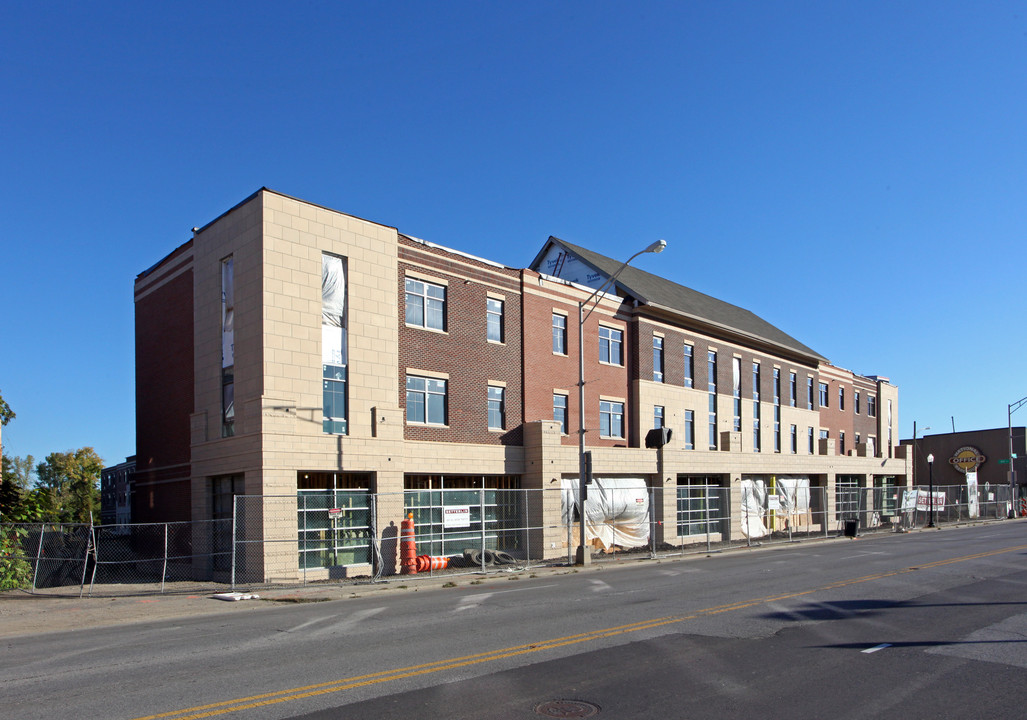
(318, 536)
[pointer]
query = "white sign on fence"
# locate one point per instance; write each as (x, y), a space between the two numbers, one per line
(456, 516)
(923, 501)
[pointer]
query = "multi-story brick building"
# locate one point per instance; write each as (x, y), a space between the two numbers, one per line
(290, 350)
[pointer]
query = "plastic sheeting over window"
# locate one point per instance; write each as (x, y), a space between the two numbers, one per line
(763, 501)
(333, 307)
(616, 511)
(227, 313)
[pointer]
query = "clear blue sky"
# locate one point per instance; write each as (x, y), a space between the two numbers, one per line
(855, 173)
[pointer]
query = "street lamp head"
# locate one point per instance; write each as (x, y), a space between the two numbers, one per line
(656, 247)
(930, 458)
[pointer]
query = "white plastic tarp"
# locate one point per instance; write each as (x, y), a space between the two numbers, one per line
(227, 314)
(973, 508)
(333, 307)
(784, 495)
(754, 502)
(616, 511)
(793, 490)
(333, 290)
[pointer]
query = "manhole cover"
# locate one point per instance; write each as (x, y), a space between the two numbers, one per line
(566, 709)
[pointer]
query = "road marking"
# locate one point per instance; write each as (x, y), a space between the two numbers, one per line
(354, 619)
(599, 586)
(874, 649)
(280, 696)
(469, 602)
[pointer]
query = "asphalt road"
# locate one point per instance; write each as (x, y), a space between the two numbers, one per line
(923, 625)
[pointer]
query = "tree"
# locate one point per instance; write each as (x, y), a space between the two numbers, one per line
(6, 414)
(70, 485)
(18, 471)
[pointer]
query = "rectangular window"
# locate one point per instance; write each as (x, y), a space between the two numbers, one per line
(823, 395)
(227, 348)
(426, 304)
(793, 388)
(886, 494)
(658, 416)
(809, 393)
(756, 444)
(736, 393)
(841, 398)
(559, 334)
(689, 366)
(777, 410)
(426, 400)
(855, 402)
(846, 497)
(611, 343)
(871, 406)
(812, 446)
(825, 434)
(611, 419)
(560, 411)
(711, 385)
(689, 430)
(494, 320)
(795, 439)
(657, 359)
(334, 367)
(891, 437)
(841, 442)
(497, 408)
(699, 501)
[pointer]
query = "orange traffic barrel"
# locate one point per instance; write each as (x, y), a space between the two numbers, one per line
(407, 547)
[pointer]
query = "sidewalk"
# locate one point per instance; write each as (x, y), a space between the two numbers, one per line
(25, 613)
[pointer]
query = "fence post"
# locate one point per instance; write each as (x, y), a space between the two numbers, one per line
(823, 508)
(85, 556)
(235, 511)
(39, 553)
(481, 505)
(164, 569)
(652, 518)
(706, 515)
(526, 515)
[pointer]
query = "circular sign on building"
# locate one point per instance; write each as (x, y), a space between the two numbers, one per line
(967, 459)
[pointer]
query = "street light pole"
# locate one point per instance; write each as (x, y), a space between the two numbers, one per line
(1011, 408)
(583, 557)
(930, 501)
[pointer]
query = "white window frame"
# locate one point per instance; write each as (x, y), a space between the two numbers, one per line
(495, 316)
(429, 390)
(611, 338)
(613, 411)
(497, 399)
(429, 303)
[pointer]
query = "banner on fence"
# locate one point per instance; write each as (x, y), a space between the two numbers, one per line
(923, 501)
(972, 508)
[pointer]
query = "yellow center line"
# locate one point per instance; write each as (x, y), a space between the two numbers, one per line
(280, 696)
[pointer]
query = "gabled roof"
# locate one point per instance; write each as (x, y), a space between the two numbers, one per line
(691, 304)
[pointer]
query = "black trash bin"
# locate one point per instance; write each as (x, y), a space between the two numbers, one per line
(850, 528)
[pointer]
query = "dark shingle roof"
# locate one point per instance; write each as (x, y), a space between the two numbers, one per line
(657, 291)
